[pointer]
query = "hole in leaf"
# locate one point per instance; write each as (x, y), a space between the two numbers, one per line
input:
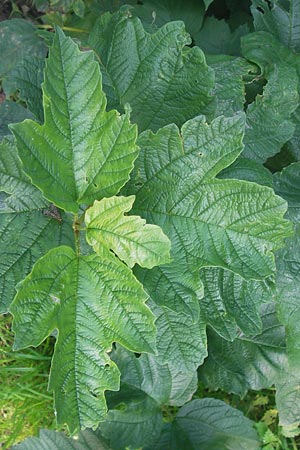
(260, 9)
(94, 394)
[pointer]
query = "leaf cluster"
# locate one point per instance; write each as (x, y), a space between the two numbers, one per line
(149, 215)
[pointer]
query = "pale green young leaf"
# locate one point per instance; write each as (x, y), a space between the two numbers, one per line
(128, 236)
(92, 301)
(81, 153)
(161, 79)
(246, 363)
(282, 19)
(227, 223)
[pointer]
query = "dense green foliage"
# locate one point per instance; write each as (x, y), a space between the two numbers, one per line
(149, 217)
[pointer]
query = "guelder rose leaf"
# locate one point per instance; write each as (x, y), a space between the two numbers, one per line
(92, 301)
(128, 236)
(162, 79)
(232, 224)
(81, 153)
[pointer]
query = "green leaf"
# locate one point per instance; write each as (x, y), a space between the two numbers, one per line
(164, 384)
(18, 38)
(128, 236)
(249, 170)
(133, 420)
(26, 78)
(266, 51)
(181, 341)
(209, 424)
(52, 440)
(11, 112)
(229, 87)
(161, 79)
(286, 184)
(226, 223)
(81, 153)
(157, 13)
(229, 300)
(216, 38)
(23, 196)
(288, 398)
(246, 363)
(29, 226)
(282, 19)
(92, 301)
(269, 120)
(288, 293)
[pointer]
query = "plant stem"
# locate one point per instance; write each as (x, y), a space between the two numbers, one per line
(75, 30)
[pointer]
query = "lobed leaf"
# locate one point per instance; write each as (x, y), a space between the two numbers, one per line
(246, 363)
(92, 301)
(161, 79)
(81, 152)
(128, 236)
(231, 224)
(230, 301)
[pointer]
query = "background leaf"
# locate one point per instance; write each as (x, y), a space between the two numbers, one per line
(27, 78)
(163, 80)
(29, 226)
(18, 38)
(209, 424)
(246, 363)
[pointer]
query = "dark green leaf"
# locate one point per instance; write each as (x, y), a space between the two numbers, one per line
(27, 78)
(246, 363)
(18, 38)
(161, 79)
(282, 19)
(11, 112)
